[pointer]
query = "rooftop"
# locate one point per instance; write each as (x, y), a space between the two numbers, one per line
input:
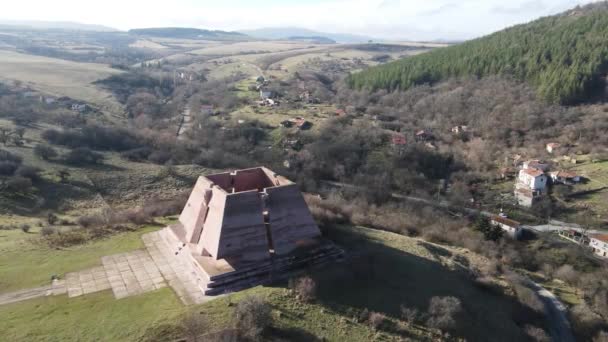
(565, 174)
(258, 179)
(506, 221)
(533, 172)
(601, 237)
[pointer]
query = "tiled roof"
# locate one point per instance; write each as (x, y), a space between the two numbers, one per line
(601, 237)
(504, 220)
(566, 174)
(534, 172)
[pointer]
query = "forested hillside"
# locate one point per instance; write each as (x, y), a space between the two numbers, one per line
(565, 57)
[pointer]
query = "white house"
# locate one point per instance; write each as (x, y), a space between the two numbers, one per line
(265, 94)
(552, 147)
(564, 177)
(460, 129)
(530, 186)
(533, 179)
(511, 227)
(599, 244)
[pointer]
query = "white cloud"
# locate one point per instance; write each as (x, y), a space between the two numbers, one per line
(394, 19)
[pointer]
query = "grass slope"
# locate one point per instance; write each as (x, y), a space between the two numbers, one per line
(27, 262)
(94, 317)
(60, 77)
(406, 271)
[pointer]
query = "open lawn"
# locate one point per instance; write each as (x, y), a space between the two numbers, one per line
(94, 317)
(592, 195)
(397, 270)
(26, 261)
(60, 77)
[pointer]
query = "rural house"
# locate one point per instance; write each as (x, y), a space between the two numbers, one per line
(459, 129)
(264, 95)
(565, 177)
(423, 135)
(536, 164)
(574, 236)
(551, 147)
(599, 244)
(511, 227)
(398, 140)
(530, 186)
(301, 123)
(533, 179)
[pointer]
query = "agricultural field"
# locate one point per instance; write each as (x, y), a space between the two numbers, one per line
(251, 48)
(406, 271)
(60, 77)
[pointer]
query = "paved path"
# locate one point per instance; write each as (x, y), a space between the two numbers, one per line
(185, 123)
(557, 315)
(176, 268)
(130, 274)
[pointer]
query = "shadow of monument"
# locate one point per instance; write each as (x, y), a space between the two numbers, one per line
(381, 278)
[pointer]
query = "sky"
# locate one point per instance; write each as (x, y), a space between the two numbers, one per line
(382, 19)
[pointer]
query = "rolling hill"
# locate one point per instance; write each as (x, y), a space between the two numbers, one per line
(188, 33)
(275, 33)
(54, 25)
(565, 57)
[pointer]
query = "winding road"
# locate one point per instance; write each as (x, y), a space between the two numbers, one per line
(556, 312)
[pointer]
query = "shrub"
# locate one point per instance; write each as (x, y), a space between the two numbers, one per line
(45, 152)
(536, 334)
(443, 312)
(567, 273)
(376, 320)
(28, 172)
(601, 336)
(409, 315)
(83, 155)
(305, 289)
(18, 184)
(25, 228)
(51, 218)
(8, 168)
(194, 326)
(6, 156)
(47, 230)
(66, 239)
(252, 316)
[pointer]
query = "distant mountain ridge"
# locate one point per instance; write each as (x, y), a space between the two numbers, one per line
(277, 33)
(188, 33)
(313, 39)
(565, 57)
(58, 25)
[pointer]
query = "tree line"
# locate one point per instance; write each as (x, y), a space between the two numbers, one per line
(564, 57)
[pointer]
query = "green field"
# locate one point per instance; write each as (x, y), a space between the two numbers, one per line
(95, 317)
(404, 271)
(26, 261)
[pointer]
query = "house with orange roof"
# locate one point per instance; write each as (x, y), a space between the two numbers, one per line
(599, 244)
(565, 177)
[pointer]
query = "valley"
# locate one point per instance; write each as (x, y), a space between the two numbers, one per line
(429, 164)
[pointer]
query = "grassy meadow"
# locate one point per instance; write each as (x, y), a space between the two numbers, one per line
(60, 77)
(404, 271)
